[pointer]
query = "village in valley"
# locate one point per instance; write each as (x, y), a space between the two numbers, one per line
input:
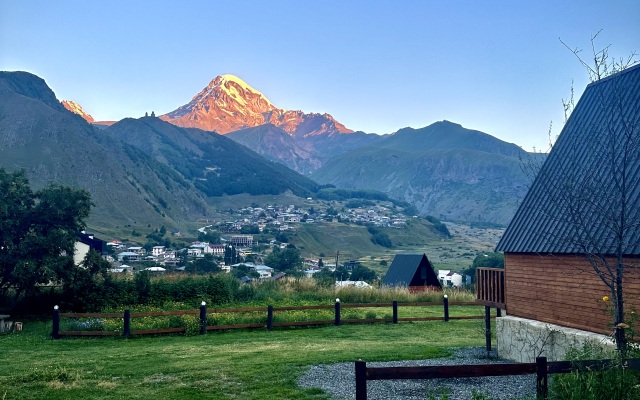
(241, 241)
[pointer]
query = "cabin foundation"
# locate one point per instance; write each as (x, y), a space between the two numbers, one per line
(522, 340)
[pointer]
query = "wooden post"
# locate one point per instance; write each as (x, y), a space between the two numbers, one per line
(127, 323)
(337, 317)
(203, 318)
(361, 380)
(395, 312)
(542, 378)
(55, 331)
(445, 301)
(269, 317)
(487, 328)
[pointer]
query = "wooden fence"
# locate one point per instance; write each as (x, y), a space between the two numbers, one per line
(542, 368)
(269, 324)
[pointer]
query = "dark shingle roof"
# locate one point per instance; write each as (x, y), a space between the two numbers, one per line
(576, 201)
(405, 271)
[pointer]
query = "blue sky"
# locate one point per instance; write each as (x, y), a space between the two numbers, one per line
(376, 66)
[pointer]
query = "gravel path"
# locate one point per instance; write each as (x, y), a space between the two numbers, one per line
(339, 381)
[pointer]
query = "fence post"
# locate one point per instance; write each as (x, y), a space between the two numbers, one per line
(395, 311)
(269, 317)
(487, 328)
(337, 317)
(203, 318)
(498, 312)
(361, 380)
(127, 323)
(445, 301)
(55, 331)
(542, 378)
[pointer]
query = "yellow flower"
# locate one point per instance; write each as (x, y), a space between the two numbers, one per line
(605, 298)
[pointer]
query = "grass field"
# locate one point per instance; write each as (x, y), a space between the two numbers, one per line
(230, 365)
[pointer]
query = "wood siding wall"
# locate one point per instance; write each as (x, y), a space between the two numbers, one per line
(564, 290)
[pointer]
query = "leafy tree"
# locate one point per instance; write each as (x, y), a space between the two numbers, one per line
(438, 226)
(362, 273)
(382, 239)
(143, 286)
(231, 255)
(37, 232)
(205, 265)
(242, 270)
(83, 290)
(210, 236)
(250, 229)
(341, 273)
(325, 277)
(485, 260)
(284, 260)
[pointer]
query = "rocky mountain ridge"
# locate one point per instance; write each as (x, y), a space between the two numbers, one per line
(77, 109)
(228, 104)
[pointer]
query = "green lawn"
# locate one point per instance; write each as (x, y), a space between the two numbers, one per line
(230, 365)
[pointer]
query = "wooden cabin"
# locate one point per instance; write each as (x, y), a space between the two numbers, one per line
(570, 220)
(413, 271)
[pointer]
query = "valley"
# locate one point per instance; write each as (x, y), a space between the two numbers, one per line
(363, 196)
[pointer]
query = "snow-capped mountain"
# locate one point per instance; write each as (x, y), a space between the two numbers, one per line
(228, 104)
(77, 109)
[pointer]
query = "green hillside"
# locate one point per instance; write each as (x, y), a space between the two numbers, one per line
(213, 163)
(455, 180)
(51, 144)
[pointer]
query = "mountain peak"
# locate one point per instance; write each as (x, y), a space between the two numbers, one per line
(77, 109)
(228, 104)
(29, 85)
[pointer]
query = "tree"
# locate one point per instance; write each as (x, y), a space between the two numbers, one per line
(204, 265)
(485, 260)
(284, 260)
(209, 235)
(590, 189)
(37, 232)
(362, 273)
(84, 288)
(242, 270)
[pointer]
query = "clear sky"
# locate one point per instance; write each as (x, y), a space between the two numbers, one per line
(376, 66)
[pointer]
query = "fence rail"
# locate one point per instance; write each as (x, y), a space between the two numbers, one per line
(542, 368)
(269, 324)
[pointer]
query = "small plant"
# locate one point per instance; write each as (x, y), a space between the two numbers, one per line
(616, 382)
(478, 395)
(439, 394)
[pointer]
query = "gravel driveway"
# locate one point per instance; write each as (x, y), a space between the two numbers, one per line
(339, 381)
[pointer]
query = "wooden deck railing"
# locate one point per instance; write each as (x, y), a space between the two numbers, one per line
(490, 287)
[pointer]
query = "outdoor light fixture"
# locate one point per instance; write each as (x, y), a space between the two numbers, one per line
(337, 300)
(55, 307)
(204, 303)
